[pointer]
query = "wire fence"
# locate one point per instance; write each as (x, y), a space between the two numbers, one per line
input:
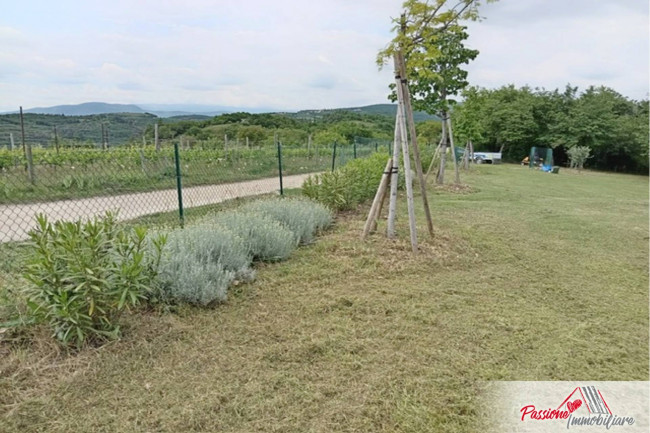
(72, 183)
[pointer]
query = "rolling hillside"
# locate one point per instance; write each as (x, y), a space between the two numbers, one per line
(39, 128)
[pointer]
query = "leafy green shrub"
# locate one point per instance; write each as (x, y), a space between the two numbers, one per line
(200, 262)
(346, 187)
(265, 238)
(84, 274)
(304, 218)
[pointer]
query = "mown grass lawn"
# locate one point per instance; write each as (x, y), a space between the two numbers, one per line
(531, 276)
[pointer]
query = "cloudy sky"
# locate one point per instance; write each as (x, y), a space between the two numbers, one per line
(294, 54)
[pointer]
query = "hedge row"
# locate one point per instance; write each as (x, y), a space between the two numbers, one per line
(84, 274)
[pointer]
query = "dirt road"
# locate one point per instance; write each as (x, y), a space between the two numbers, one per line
(17, 220)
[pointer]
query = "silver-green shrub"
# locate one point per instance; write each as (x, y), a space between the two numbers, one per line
(200, 262)
(266, 239)
(304, 218)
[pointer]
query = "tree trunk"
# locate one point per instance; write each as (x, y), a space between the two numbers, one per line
(466, 157)
(440, 179)
(408, 109)
(453, 150)
(407, 167)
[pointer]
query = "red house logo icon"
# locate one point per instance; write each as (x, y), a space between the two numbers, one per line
(588, 397)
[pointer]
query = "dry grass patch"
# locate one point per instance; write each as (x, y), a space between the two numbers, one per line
(349, 336)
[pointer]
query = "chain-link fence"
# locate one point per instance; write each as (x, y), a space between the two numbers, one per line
(73, 183)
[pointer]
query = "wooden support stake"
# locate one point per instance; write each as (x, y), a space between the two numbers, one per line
(406, 96)
(394, 172)
(381, 206)
(373, 215)
(436, 155)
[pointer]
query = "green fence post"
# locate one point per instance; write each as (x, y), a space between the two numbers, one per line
(333, 156)
(355, 148)
(376, 146)
(179, 187)
(280, 166)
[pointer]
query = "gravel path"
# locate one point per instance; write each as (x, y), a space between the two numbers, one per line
(17, 220)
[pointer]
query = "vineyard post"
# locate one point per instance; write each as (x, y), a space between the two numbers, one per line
(56, 140)
(280, 166)
(156, 140)
(13, 146)
(27, 150)
(355, 148)
(309, 146)
(103, 137)
(179, 186)
(22, 131)
(30, 163)
(333, 155)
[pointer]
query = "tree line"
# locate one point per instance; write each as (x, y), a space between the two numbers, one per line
(512, 120)
(261, 129)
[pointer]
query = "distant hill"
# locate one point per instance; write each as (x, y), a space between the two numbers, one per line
(190, 117)
(388, 110)
(87, 108)
(160, 110)
(190, 111)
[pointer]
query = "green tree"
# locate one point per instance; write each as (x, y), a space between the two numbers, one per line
(429, 131)
(254, 133)
(431, 41)
(434, 93)
(578, 155)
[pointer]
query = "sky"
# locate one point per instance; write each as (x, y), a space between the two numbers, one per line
(291, 54)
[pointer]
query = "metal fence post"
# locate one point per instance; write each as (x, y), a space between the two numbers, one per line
(333, 156)
(355, 148)
(179, 187)
(280, 166)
